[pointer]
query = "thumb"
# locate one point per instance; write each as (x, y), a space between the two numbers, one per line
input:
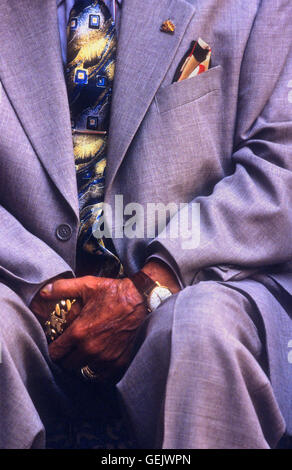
(62, 288)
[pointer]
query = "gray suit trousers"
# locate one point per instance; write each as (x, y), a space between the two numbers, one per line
(199, 379)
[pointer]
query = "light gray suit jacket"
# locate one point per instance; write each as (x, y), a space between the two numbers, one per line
(222, 139)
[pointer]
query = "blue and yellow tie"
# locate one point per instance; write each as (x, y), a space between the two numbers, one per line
(91, 54)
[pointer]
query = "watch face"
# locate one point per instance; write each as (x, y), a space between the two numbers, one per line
(157, 296)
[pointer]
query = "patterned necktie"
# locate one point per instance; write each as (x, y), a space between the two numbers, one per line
(91, 54)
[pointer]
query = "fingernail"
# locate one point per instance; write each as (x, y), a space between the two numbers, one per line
(47, 289)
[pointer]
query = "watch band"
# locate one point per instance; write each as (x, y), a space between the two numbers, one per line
(143, 283)
(154, 294)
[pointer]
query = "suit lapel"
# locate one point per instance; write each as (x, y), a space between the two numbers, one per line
(31, 72)
(143, 58)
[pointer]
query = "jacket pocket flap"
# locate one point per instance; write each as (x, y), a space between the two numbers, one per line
(191, 89)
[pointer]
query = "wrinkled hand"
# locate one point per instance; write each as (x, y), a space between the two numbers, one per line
(103, 334)
(43, 307)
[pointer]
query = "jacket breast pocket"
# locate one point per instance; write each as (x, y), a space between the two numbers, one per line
(186, 129)
(180, 93)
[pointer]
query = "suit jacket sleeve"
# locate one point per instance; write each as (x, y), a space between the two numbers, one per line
(19, 250)
(247, 219)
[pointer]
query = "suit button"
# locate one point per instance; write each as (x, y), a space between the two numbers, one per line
(64, 232)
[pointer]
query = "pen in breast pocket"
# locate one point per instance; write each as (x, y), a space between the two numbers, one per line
(196, 54)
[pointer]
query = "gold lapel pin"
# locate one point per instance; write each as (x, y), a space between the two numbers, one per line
(167, 27)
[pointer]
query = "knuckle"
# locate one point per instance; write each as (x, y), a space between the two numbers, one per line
(87, 349)
(104, 357)
(89, 284)
(77, 333)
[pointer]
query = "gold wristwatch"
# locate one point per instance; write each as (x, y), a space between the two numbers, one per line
(153, 293)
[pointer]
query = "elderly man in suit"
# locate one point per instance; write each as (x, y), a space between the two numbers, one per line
(193, 330)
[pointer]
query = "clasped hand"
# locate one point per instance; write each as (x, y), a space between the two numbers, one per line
(101, 327)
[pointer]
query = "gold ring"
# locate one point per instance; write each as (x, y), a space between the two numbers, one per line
(89, 374)
(54, 327)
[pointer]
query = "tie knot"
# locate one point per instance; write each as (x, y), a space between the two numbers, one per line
(81, 4)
